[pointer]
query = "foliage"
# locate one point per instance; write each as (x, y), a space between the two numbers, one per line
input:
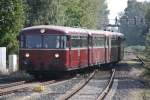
(147, 49)
(41, 12)
(135, 48)
(11, 21)
(16, 14)
(81, 13)
(147, 17)
(132, 23)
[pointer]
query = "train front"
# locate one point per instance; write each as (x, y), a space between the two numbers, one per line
(42, 50)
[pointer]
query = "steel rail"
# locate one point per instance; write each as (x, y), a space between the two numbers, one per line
(48, 82)
(108, 87)
(77, 88)
(19, 86)
(141, 60)
(11, 90)
(11, 84)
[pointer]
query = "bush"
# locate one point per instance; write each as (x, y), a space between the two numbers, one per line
(11, 21)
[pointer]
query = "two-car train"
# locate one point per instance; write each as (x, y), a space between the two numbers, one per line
(48, 49)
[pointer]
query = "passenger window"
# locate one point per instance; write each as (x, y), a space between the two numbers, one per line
(33, 41)
(54, 42)
(90, 41)
(22, 41)
(114, 41)
(84, 41)
(75, 41)
(98, 41)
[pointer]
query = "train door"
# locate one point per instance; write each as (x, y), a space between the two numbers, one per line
(108, 48)
(119, 48)
(83, 51)
(122, 47)
(75, 51)
(90, 50)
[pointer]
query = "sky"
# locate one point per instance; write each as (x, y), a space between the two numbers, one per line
(117, 6)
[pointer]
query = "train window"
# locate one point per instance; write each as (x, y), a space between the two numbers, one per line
(83, 41)
(46, 41)
(75, 41)
(63, 42)
(68, 41)
(33, 41)
(114, 42)
(90, 41)
(99, 41)
(22, 41)
(107, 41)
(54, 42)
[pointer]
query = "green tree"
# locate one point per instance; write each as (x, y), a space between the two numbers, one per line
(14, 14)
(132, 23)
(11, 21)
(82, 13)
(85, 13)
(41, 12)
(147, 16)
(147, 49)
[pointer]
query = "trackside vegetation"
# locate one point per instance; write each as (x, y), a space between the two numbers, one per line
(135, 24)
(16, 14)
(12, 19)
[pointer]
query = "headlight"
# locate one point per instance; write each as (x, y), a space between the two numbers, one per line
(56, 55)
(42, 30)
(27, 55)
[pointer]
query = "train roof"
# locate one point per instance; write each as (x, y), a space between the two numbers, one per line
(59, 28)
(71, 29)
(95, 32)
(106, 33)
(113, 33)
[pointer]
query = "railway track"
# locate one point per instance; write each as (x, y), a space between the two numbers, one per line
(76, 89)
(11, 84)
(82, 84)
(16, 86)
(31, 85)
(140, 59)
(23, 85)
(108, 87)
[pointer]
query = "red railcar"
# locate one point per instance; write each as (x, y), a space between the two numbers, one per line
(47, 49)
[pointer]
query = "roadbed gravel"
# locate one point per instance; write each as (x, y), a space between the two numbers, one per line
(129, 82)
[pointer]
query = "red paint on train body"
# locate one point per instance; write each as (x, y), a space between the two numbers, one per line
(48, 48)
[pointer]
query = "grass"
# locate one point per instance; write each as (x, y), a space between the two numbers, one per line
(135, 48)
(146, 72)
